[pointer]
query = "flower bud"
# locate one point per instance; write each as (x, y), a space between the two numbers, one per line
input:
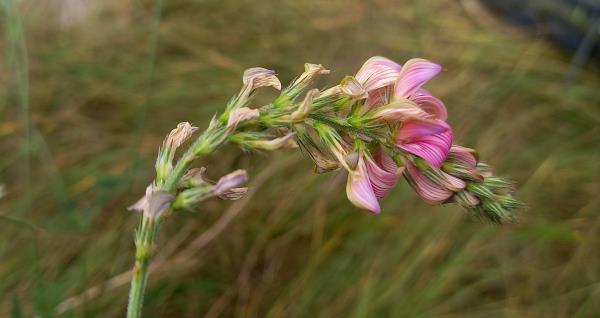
(481, 191)
(428, 190)
(194, 178)
(466, 199)
(189, 198)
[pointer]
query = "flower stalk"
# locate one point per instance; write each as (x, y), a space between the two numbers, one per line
(378, 126)
(144, 240)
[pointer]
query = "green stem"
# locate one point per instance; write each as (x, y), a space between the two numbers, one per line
(143, 242)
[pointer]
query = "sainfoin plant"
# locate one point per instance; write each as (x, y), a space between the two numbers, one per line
(378, 126)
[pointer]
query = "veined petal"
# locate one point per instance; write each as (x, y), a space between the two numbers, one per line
(464, 156)
(377, 97)
(230, 181)
(422, 139)
(351, 87)
(413, 75)
(382, 180)
(259, 77)
(241, 114)
(166, 153)
(387, 163)
(430, 104)
(428, 190)
(417, 129)
(378, 72)
(400, 110)
(446, 180)
(180, 134)
(153, 204)
(359, 189)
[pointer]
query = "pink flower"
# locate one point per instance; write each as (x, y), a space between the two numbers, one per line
(399, 111)
(430, 104)
(462, 155)
(413, 75)
(359, 189)
(428, 190)
(428, 139)
(376, 76)
(383, 173)
(378, 72)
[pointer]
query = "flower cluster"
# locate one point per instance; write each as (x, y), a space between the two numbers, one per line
(379, 125)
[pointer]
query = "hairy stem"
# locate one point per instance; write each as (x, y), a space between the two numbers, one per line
(143, 243)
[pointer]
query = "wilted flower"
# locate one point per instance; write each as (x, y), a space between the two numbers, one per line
(166, 153)
(351, 87)
(153, 204)
(239, 115)
(198, 188)
(310, 71)
(194, 177)
(284, 142)
(230, 182)
(260, 77)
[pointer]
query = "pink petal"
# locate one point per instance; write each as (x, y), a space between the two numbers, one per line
(463, 155)
(359, 189)
(386, 162)
(416, 129)
(378, 72)
(428, 190)
(452, 183)
(377, 97)
(424, 139)
(400, 110)
(413, 75)
(382, 180)
(430, 104)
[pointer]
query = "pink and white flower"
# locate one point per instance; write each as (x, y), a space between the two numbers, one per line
(359, 188)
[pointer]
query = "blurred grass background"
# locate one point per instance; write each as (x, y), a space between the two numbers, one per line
(88, 92)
